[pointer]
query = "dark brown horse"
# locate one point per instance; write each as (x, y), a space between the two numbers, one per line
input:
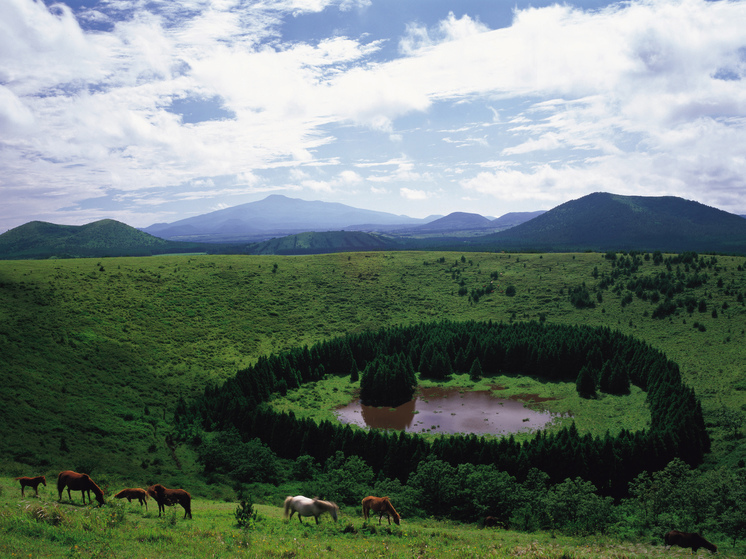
(492, 522)
(169, 497)
(79, 482)
(685, 539)
(31, 482)
(134, 493)
(382, 506)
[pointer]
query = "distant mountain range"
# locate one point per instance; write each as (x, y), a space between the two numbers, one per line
(597, 222)
(279, 216)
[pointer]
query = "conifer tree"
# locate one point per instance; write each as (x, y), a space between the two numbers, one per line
(475, 373)
(586, 383)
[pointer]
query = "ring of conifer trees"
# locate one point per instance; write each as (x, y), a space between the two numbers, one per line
(559, 353)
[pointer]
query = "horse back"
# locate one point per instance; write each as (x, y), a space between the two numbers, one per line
(687, 539)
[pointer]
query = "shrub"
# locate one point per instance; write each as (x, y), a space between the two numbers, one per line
(245, 514)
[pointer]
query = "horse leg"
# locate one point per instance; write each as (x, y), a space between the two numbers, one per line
(317, 518)
(23, 494)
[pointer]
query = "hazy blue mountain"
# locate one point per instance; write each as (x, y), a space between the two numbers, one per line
(512, 219)
(457, 221)
(274, 216)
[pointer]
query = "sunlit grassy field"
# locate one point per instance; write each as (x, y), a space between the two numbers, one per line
(96, 352)
(43, 527)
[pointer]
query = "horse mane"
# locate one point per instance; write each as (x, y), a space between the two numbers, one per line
(95, 488)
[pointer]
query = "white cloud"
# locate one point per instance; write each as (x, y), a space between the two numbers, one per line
(418, 37)
(644, 96)
(413, 194)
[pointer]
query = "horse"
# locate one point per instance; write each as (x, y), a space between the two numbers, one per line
(382, 506)
(685, 539)
(79, 482)
(170, 497)
(134, 493)
(31, 482)
(309, 507)
(492, 522)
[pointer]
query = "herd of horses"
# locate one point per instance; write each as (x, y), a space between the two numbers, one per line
(74, 481)
(303, 506)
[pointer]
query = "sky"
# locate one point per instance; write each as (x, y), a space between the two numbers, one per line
(151, 111)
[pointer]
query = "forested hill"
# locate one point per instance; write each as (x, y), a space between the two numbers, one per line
(316, 243)
(39, 239)
(603, 221)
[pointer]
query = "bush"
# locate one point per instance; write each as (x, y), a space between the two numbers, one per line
(245, 514)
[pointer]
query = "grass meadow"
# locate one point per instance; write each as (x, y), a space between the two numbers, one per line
(43, 527)
(96, 353)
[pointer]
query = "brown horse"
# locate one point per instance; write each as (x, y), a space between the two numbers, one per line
(79, 482)
(31, 482)
(134, 493)
(492, 522)
(382, 506)
(169, 497)
(685, 539)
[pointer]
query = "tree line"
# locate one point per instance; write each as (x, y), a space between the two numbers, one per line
(554, 352)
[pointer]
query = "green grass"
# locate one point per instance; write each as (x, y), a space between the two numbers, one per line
(96, 352)
(318, 400)
(43, 527)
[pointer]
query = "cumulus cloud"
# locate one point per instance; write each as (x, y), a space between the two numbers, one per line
(639, 97)
(413, 194)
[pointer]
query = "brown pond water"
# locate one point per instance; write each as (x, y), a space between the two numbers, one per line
(439, 410)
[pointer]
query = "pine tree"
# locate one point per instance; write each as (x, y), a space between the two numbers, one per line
(586, 383)
(475, 373)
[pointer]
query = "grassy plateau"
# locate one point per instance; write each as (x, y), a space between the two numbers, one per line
(95, 353)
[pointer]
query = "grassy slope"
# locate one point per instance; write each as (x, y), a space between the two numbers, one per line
(127, 530)
(95, 352)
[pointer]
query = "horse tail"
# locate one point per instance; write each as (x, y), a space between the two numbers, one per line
(60, 483)
(288, 500)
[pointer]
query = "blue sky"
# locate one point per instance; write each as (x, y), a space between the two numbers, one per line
(150, 111)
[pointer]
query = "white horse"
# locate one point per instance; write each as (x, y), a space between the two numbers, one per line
(309, 507)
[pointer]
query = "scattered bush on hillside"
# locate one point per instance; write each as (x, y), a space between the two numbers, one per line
(580, 298)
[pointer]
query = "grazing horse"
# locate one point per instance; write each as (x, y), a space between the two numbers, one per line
(382, 506)
(685, 539)
(170, 497)
(309, 507)
(134, 493)
(31, 482)
(79, 482)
